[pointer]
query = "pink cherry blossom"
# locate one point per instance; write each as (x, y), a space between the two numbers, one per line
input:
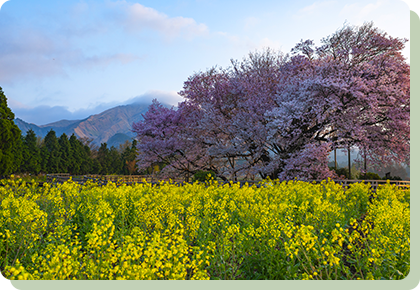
(281, 115)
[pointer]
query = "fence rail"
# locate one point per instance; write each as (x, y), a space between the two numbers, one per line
(373, 183)
(103, 179)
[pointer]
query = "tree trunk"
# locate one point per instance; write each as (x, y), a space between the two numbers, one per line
(335, 158)
(349, 177)
(365, 166)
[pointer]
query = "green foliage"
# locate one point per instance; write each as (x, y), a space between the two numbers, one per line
(10, 139)
(116, 164)
(96, 166)
(44, 159)
(104, 159)
(203, 176)
(369, 176)
(31, 154)
(392, 178)
(129, 156)
(66, 155)
(52, 153)
(76, 155)
(341, 172)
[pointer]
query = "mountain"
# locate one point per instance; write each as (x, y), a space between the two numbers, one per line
(113, 125)
(60, 127)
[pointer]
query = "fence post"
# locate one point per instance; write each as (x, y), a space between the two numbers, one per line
(348, 149)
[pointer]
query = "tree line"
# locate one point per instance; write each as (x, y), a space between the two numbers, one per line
(28, 153)
(64, 154)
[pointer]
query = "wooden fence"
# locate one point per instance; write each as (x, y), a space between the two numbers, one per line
(62, 177)
(373, 183)
(103, 179)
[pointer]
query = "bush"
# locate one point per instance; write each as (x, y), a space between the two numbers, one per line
(392, 178)
(341, 172)
(369, 176)
(203, 176)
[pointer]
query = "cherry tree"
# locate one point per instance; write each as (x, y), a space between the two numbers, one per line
(280, 115)
(164, 138)
(353, 90)
(233, 103)
(362, 82)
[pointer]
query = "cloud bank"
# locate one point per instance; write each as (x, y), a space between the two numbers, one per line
(138, 17)
(80, 39)
(42, 115)
(30, 53)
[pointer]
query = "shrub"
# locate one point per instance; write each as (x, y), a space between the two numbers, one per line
(392, 178)
(369, 176)
(341, 172)
(203, 176)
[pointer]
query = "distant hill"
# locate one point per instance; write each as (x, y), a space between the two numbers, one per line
(119, 138)
(59, 127)
(113, 125)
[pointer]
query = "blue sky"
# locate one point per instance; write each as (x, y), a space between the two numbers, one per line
(69, 59)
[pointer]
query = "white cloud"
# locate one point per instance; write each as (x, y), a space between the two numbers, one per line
(361, 12)
(82, 61)
(38, 52)
(27, 54)
(137, 17)
(266, 42)
(30, 53)
(314, 8)
(170, 98)
(233, 39)
(16, 104)
(80, 8)
(251, 22)
(370, 8)
(41, 115)
(250, 44)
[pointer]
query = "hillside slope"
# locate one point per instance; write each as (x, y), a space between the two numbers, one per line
(100, 127)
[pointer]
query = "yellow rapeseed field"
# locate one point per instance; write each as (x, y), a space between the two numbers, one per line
(277, 230)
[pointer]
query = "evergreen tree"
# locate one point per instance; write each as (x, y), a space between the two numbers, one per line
(96, 166)
(87, 161)
(53, 149)
(45, 156)
(31, 154)
(76, 155)
(115, 161)
(65, 154)
(129, 159)
(104, 159)
(10, 139)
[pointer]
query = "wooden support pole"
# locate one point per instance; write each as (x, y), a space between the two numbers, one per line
(335, 158)
(349, 177)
